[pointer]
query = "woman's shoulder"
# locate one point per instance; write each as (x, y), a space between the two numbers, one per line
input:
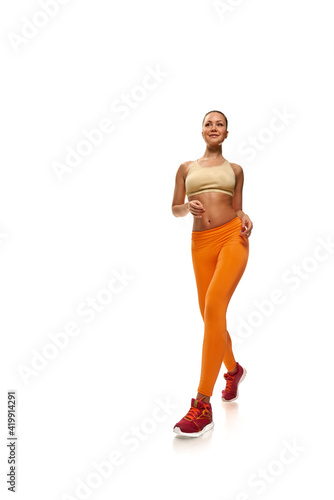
(187, 164)
(236, 168)
(185, 167)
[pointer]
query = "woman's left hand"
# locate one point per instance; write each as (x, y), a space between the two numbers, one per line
(247, 225)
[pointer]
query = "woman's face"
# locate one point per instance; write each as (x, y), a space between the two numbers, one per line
(214, 129)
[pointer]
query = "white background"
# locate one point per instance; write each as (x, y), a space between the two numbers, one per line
(135, 366)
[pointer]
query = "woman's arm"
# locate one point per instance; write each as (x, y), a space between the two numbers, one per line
(247, 224)
(179, 208)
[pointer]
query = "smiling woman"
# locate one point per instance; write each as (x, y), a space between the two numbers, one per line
(220, 248)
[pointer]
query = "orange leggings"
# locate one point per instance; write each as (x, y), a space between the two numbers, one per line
(219, 258)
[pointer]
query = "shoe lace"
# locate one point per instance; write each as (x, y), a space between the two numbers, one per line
(194, 412)
(229, 381)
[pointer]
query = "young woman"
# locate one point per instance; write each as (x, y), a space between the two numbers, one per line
(219, 248)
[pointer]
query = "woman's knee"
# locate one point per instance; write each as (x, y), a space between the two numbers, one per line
(215, 307)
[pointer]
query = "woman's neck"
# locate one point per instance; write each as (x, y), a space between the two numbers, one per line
(213, 153)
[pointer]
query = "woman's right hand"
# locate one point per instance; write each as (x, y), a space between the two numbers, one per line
(196, 208)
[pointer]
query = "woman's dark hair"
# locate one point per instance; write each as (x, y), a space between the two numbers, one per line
(215, 111)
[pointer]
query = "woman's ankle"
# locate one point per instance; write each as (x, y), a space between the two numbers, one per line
(206, 399)
(235, 369)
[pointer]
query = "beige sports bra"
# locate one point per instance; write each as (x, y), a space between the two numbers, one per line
(200, 179)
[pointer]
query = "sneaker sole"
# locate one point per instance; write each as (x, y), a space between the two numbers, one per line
(208, 427)
(236, 397)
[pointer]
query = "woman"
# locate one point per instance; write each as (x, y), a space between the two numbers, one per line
(219, 247)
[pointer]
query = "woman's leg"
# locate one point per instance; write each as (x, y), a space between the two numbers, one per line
(204, 263)
(217, 346)
(229, 360)
(204, 268)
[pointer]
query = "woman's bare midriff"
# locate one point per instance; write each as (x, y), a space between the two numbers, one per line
(218, 210)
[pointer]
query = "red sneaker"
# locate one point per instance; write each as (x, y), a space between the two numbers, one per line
(197, 421)
(231, 392)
